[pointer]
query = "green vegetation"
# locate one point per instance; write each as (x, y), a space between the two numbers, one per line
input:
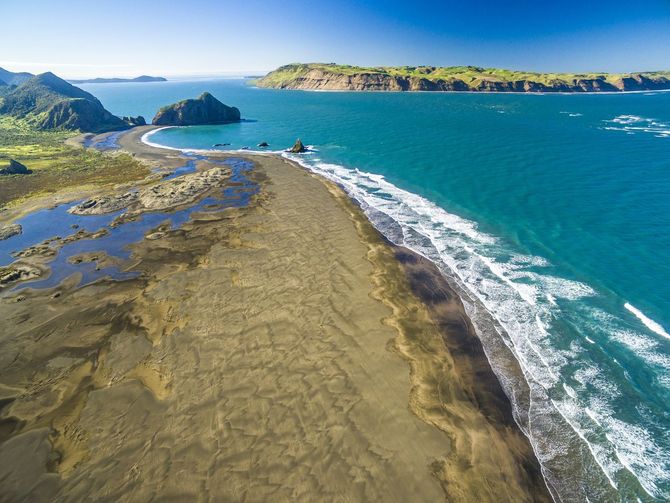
(14, 78)
(49, 102)
(470, 74)
(205, 109)
(472, 77)
(55, 165)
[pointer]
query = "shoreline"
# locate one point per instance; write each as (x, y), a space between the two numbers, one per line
(445, 307)
(462, 436)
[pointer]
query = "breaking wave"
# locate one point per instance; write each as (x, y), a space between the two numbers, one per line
(633, 124)
(647, 322)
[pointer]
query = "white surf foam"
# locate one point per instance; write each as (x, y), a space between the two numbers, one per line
(646, 321)
(633, 124)
(145, 138)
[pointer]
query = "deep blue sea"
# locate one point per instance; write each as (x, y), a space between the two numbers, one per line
(552, 214)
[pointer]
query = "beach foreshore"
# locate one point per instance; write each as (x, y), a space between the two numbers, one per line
(280, 350)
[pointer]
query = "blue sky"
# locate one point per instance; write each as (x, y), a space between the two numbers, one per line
(129, 37)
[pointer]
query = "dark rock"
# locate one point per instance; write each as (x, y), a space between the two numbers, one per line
(263, 144)
(135, 121)
(206, 109)
(18, 272)
(15, 168)
(244, 148)
(298, 148)
(221, 144)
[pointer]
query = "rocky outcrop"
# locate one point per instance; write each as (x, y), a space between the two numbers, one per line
(163, 195)
(298, 148)
(135, 121)
(15, 168)
(18, 272)
(7, 231)
(333, 77)
(206, 109)
(104, 204)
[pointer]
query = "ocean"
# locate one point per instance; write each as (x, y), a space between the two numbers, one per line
(550, 214)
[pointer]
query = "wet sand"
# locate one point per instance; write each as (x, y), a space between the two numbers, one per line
(279, 351)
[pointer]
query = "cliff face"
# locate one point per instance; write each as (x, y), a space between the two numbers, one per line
(321, 77)
(206, 109)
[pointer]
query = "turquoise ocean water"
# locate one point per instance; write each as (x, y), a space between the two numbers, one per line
(551, 213)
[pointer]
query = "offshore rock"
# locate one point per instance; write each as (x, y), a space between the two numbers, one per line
(298, 148)
(206, 109)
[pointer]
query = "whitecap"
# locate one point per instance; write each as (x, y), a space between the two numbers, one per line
(646, 321)
(632, 124)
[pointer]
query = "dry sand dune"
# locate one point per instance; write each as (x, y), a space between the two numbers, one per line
(279, 352)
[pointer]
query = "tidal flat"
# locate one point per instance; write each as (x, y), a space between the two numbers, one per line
(264, 341)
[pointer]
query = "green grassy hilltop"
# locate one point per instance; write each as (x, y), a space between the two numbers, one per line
(454, 78)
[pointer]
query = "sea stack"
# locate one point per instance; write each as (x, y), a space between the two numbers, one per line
(206, 109)
(298, 148)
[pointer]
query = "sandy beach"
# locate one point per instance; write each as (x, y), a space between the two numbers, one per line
(282, 350)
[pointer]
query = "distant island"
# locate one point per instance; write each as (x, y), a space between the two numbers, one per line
(99, 80)
(330, 76)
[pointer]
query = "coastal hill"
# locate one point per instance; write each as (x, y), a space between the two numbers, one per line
(99, 80)
(319, 76)
(14, 78)
(206, 109)
(48, 102)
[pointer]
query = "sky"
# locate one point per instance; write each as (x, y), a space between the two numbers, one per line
(206, 37)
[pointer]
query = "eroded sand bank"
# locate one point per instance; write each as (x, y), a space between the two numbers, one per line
(281, 351)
